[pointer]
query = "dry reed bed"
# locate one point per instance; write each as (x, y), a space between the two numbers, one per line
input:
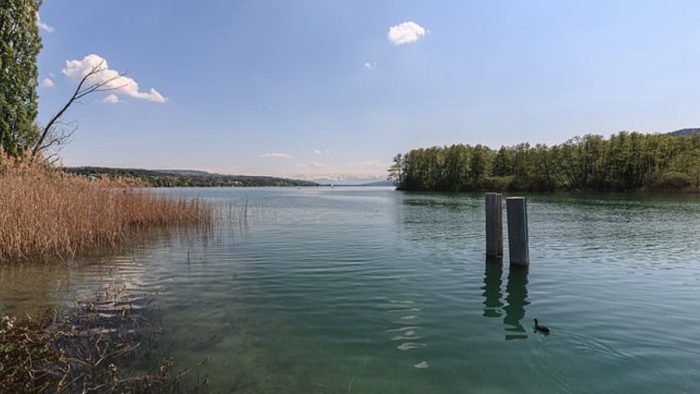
(46, 214)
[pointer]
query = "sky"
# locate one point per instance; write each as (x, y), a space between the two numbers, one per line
(335, 88)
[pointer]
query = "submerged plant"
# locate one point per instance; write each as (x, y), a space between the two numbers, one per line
(106, 345)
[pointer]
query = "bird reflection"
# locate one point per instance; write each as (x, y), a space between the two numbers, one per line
(492, 287)
(516, 298)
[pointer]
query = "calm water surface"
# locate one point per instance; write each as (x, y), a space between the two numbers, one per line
(368, 290)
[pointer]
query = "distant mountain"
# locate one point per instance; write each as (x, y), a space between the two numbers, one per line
(379, 183)
(685, 132)
(348, 181)
(176, 178)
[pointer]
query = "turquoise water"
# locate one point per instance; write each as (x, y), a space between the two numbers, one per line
(368, 290)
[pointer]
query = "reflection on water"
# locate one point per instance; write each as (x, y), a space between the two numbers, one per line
(517, 301)
(492, 287)
(33, 285)
(516, 296)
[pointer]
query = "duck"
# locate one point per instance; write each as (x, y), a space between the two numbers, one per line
(543, 329)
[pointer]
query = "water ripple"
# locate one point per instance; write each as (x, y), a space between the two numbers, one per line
(369, 290)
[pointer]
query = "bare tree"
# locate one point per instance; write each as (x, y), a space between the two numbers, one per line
(57, 132)
(57, 136)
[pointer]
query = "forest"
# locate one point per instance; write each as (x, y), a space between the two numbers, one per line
(626, 161)
(184, 178)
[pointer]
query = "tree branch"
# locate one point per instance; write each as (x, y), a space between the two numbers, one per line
(83, 89)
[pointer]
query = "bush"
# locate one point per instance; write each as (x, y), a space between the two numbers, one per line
(498, 183)
(669, 180)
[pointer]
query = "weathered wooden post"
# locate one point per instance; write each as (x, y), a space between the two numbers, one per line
(518, 237)
(494, 224)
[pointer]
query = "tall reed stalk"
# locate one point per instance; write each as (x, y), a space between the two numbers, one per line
(46, 214)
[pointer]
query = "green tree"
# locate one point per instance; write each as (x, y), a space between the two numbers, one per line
(623, 162)
(396, 170)
(503, 164)
(20, 44)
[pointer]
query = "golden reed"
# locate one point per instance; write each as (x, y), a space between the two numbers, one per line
(46, 214)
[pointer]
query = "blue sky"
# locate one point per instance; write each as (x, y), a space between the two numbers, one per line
(317, 88)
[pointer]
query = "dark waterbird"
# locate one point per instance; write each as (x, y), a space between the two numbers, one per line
(543, 329)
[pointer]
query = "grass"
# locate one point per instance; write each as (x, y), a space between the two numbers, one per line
(47, 215)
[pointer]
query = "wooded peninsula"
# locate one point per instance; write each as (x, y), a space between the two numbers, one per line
(626, 161)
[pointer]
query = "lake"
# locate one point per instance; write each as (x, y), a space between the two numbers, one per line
(369, 290)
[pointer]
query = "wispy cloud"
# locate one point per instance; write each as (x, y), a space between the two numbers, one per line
(321, 152)
(370, 65)
(111, 99)
(48, 83)
(276, 155)
(44, 26)
(405, 33)
(122, 85)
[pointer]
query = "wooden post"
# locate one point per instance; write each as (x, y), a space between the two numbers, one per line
(494, 224)
(518, 238)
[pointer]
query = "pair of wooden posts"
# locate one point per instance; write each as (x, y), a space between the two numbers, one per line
(516, 209)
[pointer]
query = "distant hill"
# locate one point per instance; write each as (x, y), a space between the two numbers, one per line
(186, 178)
(186, 172)
(685, 132)
(349, 181)
(389, 182)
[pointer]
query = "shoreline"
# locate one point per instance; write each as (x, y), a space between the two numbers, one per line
(692, 191)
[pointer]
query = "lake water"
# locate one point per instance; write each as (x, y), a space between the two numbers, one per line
(369, 290)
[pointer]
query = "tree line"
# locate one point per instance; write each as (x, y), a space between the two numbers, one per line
(626, 161)
(175, 178)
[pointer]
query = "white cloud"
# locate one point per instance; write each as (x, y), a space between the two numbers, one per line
(111, 99)
(48, 83)
(405, 33)
(122, 85)
(321, 152)
(317, 164)
(370, 65)
(43, 26)
(275, 155)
